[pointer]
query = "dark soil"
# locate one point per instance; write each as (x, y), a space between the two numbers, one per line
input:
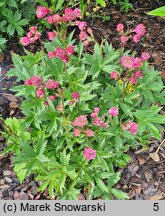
(144, 176)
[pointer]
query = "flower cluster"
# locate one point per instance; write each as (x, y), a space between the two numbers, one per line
(80, 122)
(89, 153)
(114, 75)
(63, 54)
(84, 32)
(113, 111)
(51, 35)
(38, 82)
(132, 63)
(139, 30)
(76, 97)
(31, 36)
(131, 126)
(97, 120)
(69, 15)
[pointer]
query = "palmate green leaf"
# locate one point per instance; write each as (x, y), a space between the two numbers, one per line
(23, 22)
(59, 4)
(12, 3)
(62, 180)
(114, 178)
(95, 71)
(126, 109)
(111, 57)
(160, 119)
(118, 142)
(17, 16)
(89, 59)
(119, 194)
(102, 185)
(97, 192)
(100, 162)
(109, 68)
(69, 195)
(21, 171)
(11, 29)
(70, 37)
(64, 158)
(98, 53)
(40, 146)
(151, 127)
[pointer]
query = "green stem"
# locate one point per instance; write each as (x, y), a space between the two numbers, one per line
(75, 180)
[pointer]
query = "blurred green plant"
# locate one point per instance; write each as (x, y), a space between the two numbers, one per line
(2, 44)
(158, 12)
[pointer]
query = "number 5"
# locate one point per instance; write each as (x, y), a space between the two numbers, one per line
(156, 207)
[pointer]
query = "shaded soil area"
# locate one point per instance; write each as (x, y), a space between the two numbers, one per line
(144, 176)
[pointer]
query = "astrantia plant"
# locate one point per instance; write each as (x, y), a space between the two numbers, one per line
(82, 111)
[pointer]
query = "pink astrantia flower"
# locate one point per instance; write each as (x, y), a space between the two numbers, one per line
(137, 62)
(113, 111)
(60, 108)
(25, 41)
(71, 102)
(145, 56)
(51, 35)
(36, 81)
(103, 124)
(52, 97)
(76, 132)
(125, 126)
(69, 14)
(97, 122)
(136, 38)
(35, 37)
(127, 61)
(89, 30)
(139, 74)
(120, 27)
(140, 30)
(33, 29)
(52, 54)
(80, 121)
(96, 110)
(77, 12)
(41, 11)
(82, 25)
(28, 82)
(56, 18)
(70, 49)
(83, 36)
(114, 75)
(51, 84)
(62, 54)
(76, 96)
(133, 80)
(89, 133)
(40, 92)
(89, 153)
(133, 127)
(86, 43)
(50, 20)
(123, 39)
(93, 115)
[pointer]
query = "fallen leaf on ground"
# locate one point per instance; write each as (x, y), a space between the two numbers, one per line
(155, 197)
(154, 156)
